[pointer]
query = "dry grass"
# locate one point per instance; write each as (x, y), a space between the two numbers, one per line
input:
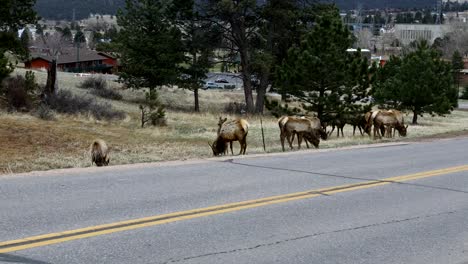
(28, 143)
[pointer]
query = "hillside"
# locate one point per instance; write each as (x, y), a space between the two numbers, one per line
(59, 9)
(368, 4)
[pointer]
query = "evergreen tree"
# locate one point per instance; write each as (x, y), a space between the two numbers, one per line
(79, 37)
(420, 82)
(322, 74)
(67, 34)
(25, 40)
(238, 21)
(151, 47)
(200, 38)
(14, 14)
(457, 65)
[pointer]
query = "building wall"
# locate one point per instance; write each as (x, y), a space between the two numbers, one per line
(408, 33)
(37, 64)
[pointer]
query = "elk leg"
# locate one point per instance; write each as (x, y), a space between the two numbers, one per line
(282, 140)
(307, 143)
(333, 129)
(230, 145)
(299, 140)
(288, 137)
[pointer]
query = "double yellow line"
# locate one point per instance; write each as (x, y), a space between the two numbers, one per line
(54, 238)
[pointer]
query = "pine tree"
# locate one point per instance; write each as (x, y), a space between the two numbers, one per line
(25, 40)
(14, 15)
(152, 50)
(322, 74)
(457, 66)
(420, 82)
(151, 44)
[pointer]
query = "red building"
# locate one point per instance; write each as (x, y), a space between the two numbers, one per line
(74, 61)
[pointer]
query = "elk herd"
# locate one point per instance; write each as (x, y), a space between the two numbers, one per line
(309, 129)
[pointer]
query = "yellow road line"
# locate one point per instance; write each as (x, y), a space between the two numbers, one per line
(54, 238)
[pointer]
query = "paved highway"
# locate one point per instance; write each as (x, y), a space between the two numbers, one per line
(404, 203)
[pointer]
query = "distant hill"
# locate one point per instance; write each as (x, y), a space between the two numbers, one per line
(60, 9)
(370, 4)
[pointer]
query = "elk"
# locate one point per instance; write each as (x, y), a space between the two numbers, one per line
(99, 153)
(229, 131)
(384, 129)
(309, 128)
(388, 120)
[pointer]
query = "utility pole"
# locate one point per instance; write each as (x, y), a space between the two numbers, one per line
(439, 12)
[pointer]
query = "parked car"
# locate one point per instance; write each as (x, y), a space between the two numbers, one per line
(221, 81)
(212, 85)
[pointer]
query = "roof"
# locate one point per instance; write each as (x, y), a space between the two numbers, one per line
(72, 57)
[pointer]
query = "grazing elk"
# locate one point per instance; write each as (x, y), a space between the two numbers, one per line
(369, 119)
(99, 153)
(229, 131)
(387, 120)
(308, 128)
(384, 129)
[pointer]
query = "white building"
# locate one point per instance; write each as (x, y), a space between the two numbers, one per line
(408, 33)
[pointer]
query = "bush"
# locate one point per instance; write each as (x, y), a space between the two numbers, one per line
(20, 92)
(153, 111)
(235, 108)
(97, 83)
(107, 93)
(99, 87)
(65, 102)
(45, 113)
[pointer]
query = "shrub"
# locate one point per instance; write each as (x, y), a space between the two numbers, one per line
(65, 102)
(20, 92)
(153, 111)
(107, 93)
(45, 113)
(99, 87)
(97, 83)
(235, 108)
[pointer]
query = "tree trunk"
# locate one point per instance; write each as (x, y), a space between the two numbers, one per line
(51, 78)
(415, 117)
(246, 78)
(261, 91)
(197, 104)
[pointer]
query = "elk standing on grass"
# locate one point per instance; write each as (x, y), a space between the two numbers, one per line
(229, 131)
(309, 128)
(99, 153)
(387, 120)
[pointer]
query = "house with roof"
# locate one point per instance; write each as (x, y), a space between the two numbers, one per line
(75, 60)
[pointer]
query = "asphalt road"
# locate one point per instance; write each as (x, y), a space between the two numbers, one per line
(373, 218)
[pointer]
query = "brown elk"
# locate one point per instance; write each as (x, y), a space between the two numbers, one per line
(99, 153)
(309, 128)
(387, 120)
(369, 122)
(229, 131)
(385, 130)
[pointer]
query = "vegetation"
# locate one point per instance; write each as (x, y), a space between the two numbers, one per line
(14, 14)
(420, 82)
(323, 75)
(98, 86)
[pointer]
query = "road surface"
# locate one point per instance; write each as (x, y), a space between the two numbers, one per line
(403, 203)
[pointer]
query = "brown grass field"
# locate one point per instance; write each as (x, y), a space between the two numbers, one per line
(28, 143)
